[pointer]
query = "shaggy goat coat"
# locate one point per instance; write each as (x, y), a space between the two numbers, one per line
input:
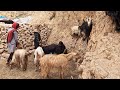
(47, 62)
(20, 58)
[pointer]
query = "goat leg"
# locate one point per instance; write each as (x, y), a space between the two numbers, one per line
(61, 73)
(37, 66)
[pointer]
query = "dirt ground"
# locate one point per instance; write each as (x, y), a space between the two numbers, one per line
(6, 73)
(30, 73)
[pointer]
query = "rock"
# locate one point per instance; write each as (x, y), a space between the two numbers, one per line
(1, 51)
(28, 45)
(5, 50)
(31, 48)
(86, 74)
(100, 73)
(1, 46)
(4, 41)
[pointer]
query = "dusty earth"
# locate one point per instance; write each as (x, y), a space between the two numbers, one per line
(30, 73)
(99, 59)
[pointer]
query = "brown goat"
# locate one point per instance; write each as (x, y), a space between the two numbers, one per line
(47, 62)
(20, 59)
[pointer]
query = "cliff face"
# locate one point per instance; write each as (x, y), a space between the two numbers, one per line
(101, 58)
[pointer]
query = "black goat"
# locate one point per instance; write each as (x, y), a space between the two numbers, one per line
(37, 39)
(85, 29)
(115, 16)
(55, 49)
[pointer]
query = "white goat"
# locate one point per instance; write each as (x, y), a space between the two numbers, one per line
(37, 55)
(75, 30)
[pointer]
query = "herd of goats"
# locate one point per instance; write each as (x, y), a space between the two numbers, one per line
(56, 55)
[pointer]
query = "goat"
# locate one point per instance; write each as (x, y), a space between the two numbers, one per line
(47, 62)
(55, 49)
(75, 31)
(37, 55)
(82, 30)
(37, 39)
(115, 16)
(20, 59)
(85, 28)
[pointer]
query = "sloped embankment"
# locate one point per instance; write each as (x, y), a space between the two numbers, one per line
(102, 57)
